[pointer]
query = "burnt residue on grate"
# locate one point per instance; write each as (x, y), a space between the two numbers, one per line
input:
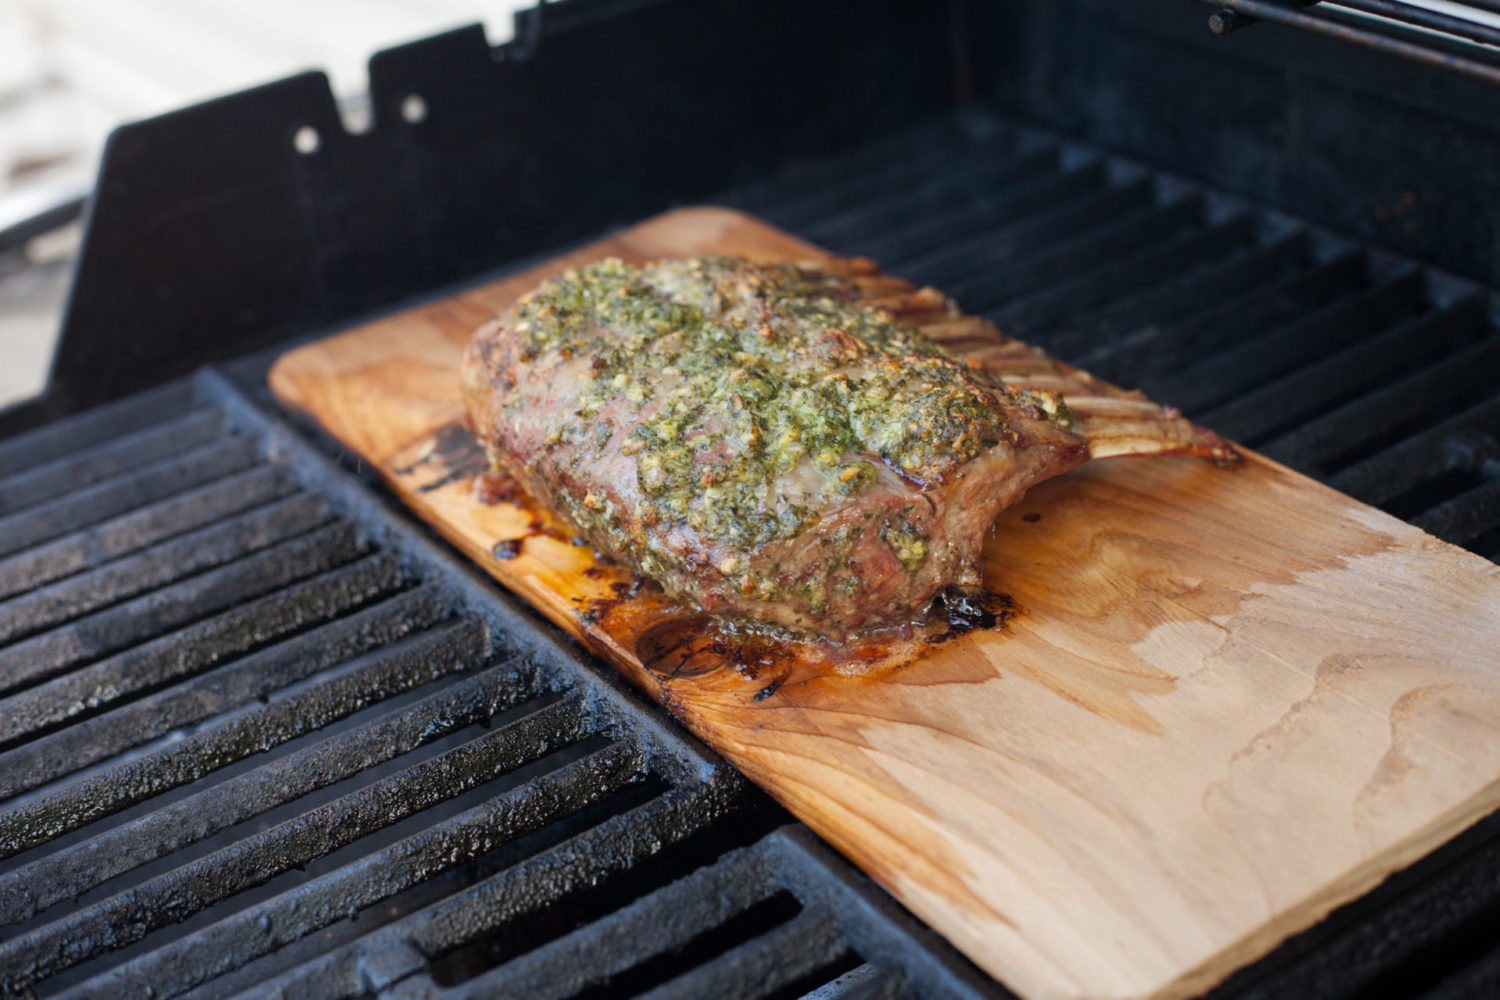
(256, 736)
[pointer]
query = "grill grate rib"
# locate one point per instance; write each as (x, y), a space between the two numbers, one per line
(81, 867)
(175, 606)
(1390, 414)
(106, 423)
(130, 532)
(1249, 365)
(110, 459)
(178, 762)
(1227, 327)
(1466, 517)
(180, 655)
(1197, 289)
(220, 543)
(1012, 205)
(1385, 478)
(767, 964)
(111, 497)
(946, 193)
(1012, 274)
(1346, 374)
(602, 950)
(979, 254)
(524, 888)
(1051, 312)
(129, 916)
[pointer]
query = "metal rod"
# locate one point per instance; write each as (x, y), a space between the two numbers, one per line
(1264, 11)
(1490, 6)
(1425, 18)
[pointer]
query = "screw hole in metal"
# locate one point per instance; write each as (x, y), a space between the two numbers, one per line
(414, 109)
(306, 140)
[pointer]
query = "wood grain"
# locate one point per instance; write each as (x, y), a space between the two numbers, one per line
(1226, 700)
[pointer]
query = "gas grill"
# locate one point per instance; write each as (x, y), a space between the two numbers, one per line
(262, 734)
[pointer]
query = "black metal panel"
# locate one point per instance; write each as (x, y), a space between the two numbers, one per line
(210, 234)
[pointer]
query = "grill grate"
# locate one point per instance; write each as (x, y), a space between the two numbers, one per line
(256, 737)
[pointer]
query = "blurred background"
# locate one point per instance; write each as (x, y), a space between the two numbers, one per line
(71, 70)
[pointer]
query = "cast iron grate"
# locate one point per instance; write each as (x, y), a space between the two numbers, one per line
(251, 743)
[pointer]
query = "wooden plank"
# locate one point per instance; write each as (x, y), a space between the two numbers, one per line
(1226, 701)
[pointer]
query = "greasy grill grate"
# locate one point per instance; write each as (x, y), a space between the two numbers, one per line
(1361, 369)
(252, 743)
